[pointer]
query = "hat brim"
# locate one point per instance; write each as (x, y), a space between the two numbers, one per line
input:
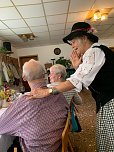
(75, 34)
(69, 37)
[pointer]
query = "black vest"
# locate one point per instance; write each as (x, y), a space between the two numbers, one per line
(102, 87)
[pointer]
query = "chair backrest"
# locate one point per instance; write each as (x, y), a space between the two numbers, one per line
(66, 142)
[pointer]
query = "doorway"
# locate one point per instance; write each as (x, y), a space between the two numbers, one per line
(22, 60)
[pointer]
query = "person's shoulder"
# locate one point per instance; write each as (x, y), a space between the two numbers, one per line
(19, 98)
(55, 97)
(22, 97)
(94, 49)
(61, 98)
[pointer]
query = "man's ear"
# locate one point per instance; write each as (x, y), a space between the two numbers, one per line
(59, 76)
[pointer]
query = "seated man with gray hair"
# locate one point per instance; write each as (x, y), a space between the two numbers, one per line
(38, 122)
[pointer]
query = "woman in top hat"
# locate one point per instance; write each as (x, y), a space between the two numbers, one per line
(94, 70)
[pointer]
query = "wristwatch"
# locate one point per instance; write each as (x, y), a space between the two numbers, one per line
(50, 91)
(53, 91)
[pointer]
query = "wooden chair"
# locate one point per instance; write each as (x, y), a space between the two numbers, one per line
(66, 142)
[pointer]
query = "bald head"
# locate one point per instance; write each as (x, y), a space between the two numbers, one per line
(33, 70)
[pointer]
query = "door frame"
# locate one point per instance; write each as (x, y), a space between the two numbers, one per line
(28, 56)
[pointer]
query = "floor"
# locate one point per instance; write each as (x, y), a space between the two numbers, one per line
(85, 140)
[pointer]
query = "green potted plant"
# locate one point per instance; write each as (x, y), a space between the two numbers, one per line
(63, 61)
(3, 50)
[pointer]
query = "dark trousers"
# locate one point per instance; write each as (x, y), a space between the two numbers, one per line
(15, 144)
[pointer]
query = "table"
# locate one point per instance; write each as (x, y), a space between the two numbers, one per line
(5, 140)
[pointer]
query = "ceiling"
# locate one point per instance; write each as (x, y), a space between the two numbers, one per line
(49, 20)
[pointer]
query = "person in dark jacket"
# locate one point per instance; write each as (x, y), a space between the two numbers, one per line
(94, 64)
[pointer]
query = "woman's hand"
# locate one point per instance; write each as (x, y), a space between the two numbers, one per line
(44, 92)
(38, 93)
(75, 59)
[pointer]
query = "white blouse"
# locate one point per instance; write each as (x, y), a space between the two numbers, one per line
(93, 60)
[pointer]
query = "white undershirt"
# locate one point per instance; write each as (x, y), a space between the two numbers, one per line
(93, 60)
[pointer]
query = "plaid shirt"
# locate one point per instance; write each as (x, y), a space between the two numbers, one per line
(38, 122)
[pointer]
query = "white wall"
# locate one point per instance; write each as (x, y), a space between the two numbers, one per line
(46, 53)
(14, 50)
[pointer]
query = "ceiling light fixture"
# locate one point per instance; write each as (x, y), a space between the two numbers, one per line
(31, 37)
(24, 38)
(104, 16)
(27, 37)
(99, 16)
(95, 15)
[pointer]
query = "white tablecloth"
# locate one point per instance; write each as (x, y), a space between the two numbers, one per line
(5, 141)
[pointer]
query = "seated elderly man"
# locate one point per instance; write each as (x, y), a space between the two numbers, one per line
(57, 75)
(38, 122)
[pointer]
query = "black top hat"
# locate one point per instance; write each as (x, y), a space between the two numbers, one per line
(79, 29)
